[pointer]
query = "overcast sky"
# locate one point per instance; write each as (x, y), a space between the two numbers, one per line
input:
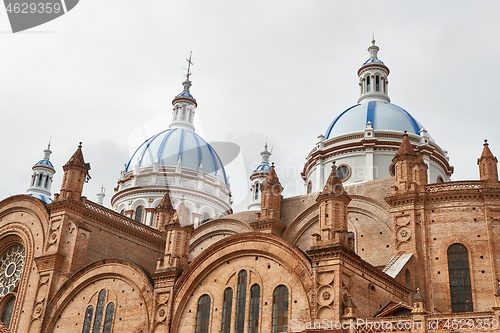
(277, 69)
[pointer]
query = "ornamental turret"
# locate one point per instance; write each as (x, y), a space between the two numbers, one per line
(488, 170)
(41, 179)
(76, 172)
(184, 105)
(373, 75)
(257, 178)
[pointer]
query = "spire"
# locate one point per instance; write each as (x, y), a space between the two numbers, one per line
(406, 147)
(76, 172)
(101, 195)
(41, 178)
(265, 155)
(165, 213)
(488, 165)
(184, 104)
(373, 75)
(272, 177)
(333, 184)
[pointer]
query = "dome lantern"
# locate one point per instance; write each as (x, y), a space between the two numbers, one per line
(373, 75)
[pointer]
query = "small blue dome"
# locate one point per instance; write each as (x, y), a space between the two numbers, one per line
(178, 144)
(263, 168)
(373, 61)
(383, 116)
(45, 163)
(185, 94)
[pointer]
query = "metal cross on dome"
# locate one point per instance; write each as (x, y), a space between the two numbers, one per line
(189, 65)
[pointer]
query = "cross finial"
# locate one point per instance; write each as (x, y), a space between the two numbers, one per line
(189, 65)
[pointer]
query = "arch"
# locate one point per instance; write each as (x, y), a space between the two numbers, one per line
(459, 275)
(8, 309)
(96, 275)
(368, 81)
(238, 247)
(377, 82)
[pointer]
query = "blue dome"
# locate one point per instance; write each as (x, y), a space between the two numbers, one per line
(383, 116)
(373, 61)
(185, 94)
(177, 144)
(263, 168)
(45, 163)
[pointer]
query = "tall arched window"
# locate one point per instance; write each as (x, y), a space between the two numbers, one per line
(102, 320)
(309, 187)
(183, 112)
(203, 314)
(256, 191)
(138, 214)
(368, 83)
(280, 309)
(205, 217)
(40, 176)
(241, 297)
(460, 284)
(47, 181)
(33, 178)
(227, 307)
(383, 84)
(377, 83)
(253, 320)
(8, 309)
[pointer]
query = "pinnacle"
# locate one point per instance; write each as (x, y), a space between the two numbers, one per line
(272, 177)
(77, 159)
(486, 150)
(333, 184)
(406, 147)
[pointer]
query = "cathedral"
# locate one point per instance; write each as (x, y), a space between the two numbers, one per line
(383, 240)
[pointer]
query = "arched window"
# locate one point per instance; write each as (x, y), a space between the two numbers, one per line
(138, 214)
(189, 115)
(206, 217)
(183, 112)
(408, 279)
(280, 309)
(368, 83)
(102, 310)
(122, 212)
(256, 191)
(309, 187)
(7, 310)
(40, 176)
(383, 84)
(47, 181)
(33, 179)
(241, 297)
(377, 83)
(253, 320)
(101, 299)
(203, 314)
(227, 307)
(460, 284)
(440, 179)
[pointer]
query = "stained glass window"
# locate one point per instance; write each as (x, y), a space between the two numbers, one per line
(460, 284)
(101, 299)
(280, 309)
(88, 319)
(11, 268)
(253, 321)
(108, 319)
(226, 310)
(241, 298)
(203, 314)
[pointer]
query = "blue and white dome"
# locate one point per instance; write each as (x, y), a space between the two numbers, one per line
(46, 163)
(383, 116)
(42, 197)
(178, 145)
